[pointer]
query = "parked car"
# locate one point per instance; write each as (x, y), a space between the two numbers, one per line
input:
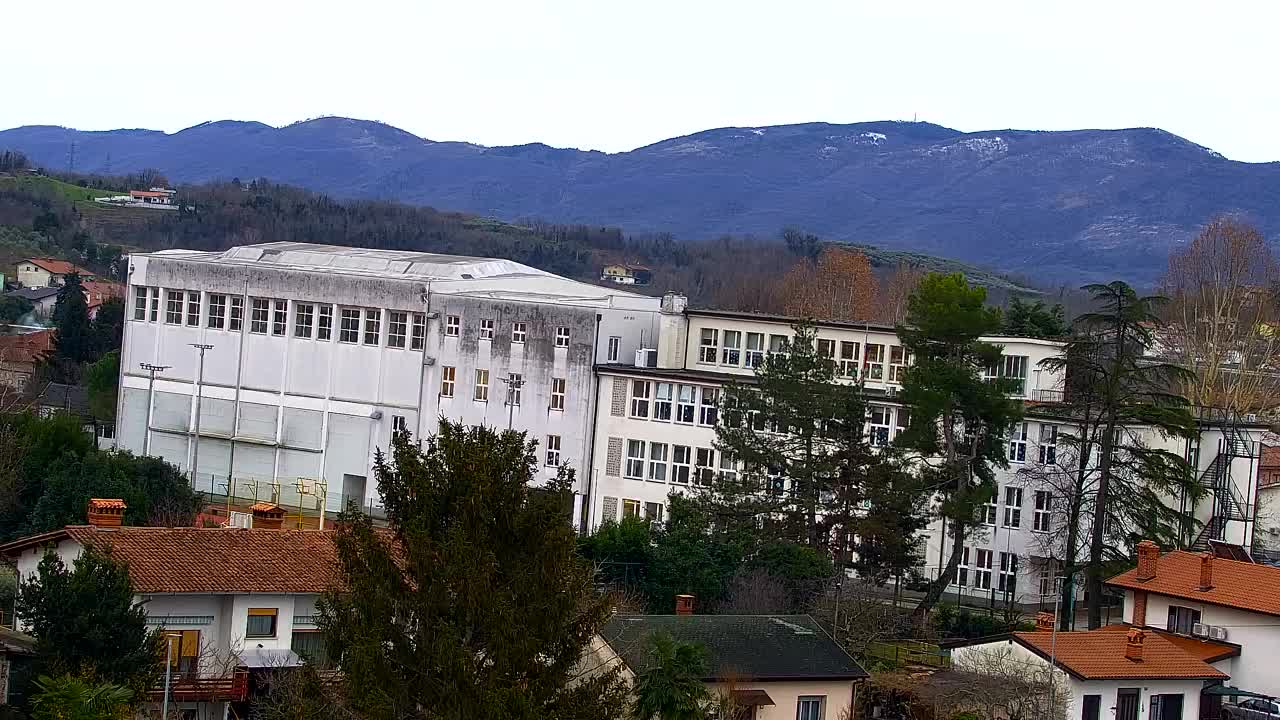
(1251, 709)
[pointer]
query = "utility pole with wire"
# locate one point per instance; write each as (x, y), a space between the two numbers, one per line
(513, 390)
(151, 394)
(195, 452)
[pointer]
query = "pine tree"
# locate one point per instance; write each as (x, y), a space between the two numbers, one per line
(958, 419)
(670, 687)
(74, 340)
(474, 604)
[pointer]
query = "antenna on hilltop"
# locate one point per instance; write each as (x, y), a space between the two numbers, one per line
(71, 157)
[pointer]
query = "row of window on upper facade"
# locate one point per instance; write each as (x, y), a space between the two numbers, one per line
(313, 321)
(514, 386)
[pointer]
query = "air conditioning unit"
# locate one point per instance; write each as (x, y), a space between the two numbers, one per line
(1217, 632)
(428, 361)
(647, 357)
(1200, 630)
(240, 520)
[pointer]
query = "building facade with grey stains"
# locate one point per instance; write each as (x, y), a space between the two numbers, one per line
(319, 353)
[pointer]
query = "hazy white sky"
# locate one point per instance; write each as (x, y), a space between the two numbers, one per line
(616, 74)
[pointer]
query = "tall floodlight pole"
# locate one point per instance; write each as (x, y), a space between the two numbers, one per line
(513, 387)
(1053, 639)
(195, 453)
(151, 394)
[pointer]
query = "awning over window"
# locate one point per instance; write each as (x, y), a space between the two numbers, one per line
(1227, 690)
(751, 698)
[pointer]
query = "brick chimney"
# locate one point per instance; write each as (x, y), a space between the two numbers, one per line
(1133, 644)
(106, 512)
(1206, 571)
(1044, 622)
(1140, 607)
(684, 604)
(267, 516)
(1148, 560)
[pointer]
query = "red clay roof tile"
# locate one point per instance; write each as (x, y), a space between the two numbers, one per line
(1242, 585)
(1100, 655)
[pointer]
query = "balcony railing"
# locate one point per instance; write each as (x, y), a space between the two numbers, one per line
(1050, 396)
(190, 688)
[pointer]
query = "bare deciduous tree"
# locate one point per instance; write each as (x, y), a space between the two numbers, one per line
(839, 285)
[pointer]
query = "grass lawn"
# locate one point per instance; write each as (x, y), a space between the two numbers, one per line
(67, 190)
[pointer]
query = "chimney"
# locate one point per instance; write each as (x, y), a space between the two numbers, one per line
(1133, 645)
(1206, 571)
(1140, 607)
(106, 512)
(1148, 560)
(267, 516)
(1044, 622)
(684, 604)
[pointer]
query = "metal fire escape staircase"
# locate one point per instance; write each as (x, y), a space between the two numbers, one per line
(1228, 503)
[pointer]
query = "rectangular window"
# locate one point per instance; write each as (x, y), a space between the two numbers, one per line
(982, 569)
(193, 309)
(397, 328)
(731, 351)
(349, 325)
(848, 359)
(662, 401)
(1012, 368)
(304, 317)
(873, 363)
(778, 344)
(755, 349)
(1182, 619)
(635, 460)
(705, 466)
(728, 467)
(184, 651)
(173, 306)
(1018, 443)
(486, 329)
(640, 390)
(879, 422)
(261, 623)
(1091, 707)
(615, 343)
(155, 304)
(217, 311)
(708, 345)
(309, 645)
(562, 337)
(515, 381)
(553, 451)
(447, 377)
(658, 462)
(398, 423)
(681, 464)
(237, 314)
(1008, 572)
(1048, 444)
(827, 349)
(324, 324)
(140, 303)
(482, 386)
(709, 410)
(557, 393)
(258, 316)
(1012, 507)
(372, 327)
(518, 332)
(811, 707)
(418, 340)
(989, 510)
(280, 317)
(452, 325)
(1042, 519)
(962, 568)
(653, 512)
(630, 508)
(686, 403)
(899, 359)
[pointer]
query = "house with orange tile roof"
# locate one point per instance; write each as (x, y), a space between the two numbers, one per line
(40, 272)
(233, 601)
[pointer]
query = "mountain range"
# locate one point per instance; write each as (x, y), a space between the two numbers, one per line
(1061, 206)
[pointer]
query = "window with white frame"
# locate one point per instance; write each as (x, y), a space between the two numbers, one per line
(140, 303)
(873, 362)
(372, 327)
(681, 464)
(901, 420)
(962, 568)
(989, 511)
(324, 323)
(448, 375)
(662, 398)
(397, 328)
(399, 424)
(779, 344)
(899, 359)
(217, 311)
(827, 349)
(708, 345)
(811, 707)
(755, 350)
(557, 393)
(704, 466)
(728, 467)
(634, 469)
(193, 308)
(259, 314)
(515, 381)
(731, 349)
(518, 332)
(1042, 518)
(349, 325)
(1008, 572)
(418, 336)
(486, 329)
(657, 462)
(982, 569)
(155, 304)
(848, 359)
(709, 410)
(304, 315)
(452, 325)
(481, 393)
(1012, 507)
(279, 317)
(653, 512)
(173, 300)
(879, 422)
(640, 395)
(562, 337)
(553, 451)
(1048, 444)
(1049, 572)
(615, 345)
(630, 508)
(1018, 443)
(686, 403)
(1012, 368)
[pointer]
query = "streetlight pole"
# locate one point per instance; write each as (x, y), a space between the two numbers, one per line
(151, 394)
(195, 453)
(1053, 638)
(513, 387)
(168, 668)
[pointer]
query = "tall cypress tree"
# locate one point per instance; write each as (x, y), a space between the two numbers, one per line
(475, 604)
(74, 341)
